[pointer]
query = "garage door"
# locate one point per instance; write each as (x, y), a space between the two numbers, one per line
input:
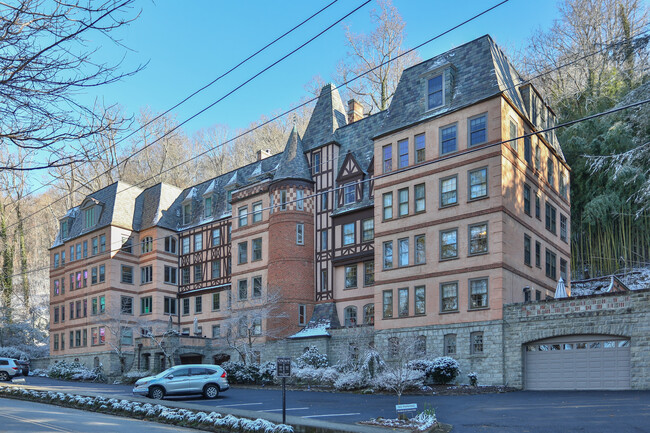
(577, 362)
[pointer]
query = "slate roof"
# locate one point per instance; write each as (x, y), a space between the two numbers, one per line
(327, 117)
(152, 204)
(293, 163)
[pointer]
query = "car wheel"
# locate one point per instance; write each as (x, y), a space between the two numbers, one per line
(211, 391)
(156, 392)
(4, 376)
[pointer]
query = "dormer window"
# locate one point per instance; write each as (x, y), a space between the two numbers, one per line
(64, 228)
(89, 216)
(349, 193)
(435, 92)
(228, 199)
(207, 207)
(187, 213)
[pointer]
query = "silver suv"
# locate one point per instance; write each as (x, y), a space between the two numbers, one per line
(205, 379)
(9, 369)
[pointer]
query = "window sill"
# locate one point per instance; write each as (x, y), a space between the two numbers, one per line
(483, 197)
(478, 309)
(483, 253)
(529, 265)
(448, 259)
(447, 206)
(450, 312)
(350, 288)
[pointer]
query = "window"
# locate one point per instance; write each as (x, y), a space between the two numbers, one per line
(283, 199)
(388, 205)
(476, 342)
(513, 135)
(527, 250)
(56, 314)
(435, 92)
(388, 254)
(198, 273)
(257, 287)
(323, 200)
(448, 191)
(387, 300)
(186, 306)
(64, 229)
(71, 253)
(564, 190)
(57, 289)
(215, 269)
(207, 207)
(420, 253)
(538, 254)
(350, 314)
(146, 274)
(185, 275)
(388, 158)
(256, 249)
(242, 286)
(185, 245)
(478, 239)
(216, 331)
(369, 273)
(93, 306)
(348, 233)
(78, 285)
(127, 336)
(170, 274)
(478, 183)
(351, 277)
(242, 252)
(528, 151)
(527, 199)
(187, 213)
(323, 240)
(56, 342)
(85, 249)
(126, 304)
(300, 234)
(449, 297)
(478, 130)
(420, 148)
(550, 218)
(78, 256)
(420, 204)
(198, 241)
(403, 300)
(62, 257)
(257, 210)
(550, 171)
(102, 243)
(403, 197)
(89, 216)
(85, 278)
(257, 330)
(551, 263)
(369, 314)
(198, 304)
(216, 237)
(127, 274)
(450, 344)
(315, 162)
(563, 227)
(63, 313)
(324, 282)
(146, 245)
(478, 293)
(77, 339)
(403, 148)
(448, 139)
(243, 216)
(448, 244)
(563, 269)
(146, 305)
(419, 300)
(537, 207)
(216, 301)
(349, 193)
(302, 314)
(228, 201)
(169, 305)
(403, 247)
(368, 230)
(538, 158)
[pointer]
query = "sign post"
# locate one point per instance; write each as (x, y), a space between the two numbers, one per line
(403, 409)
(283, 370)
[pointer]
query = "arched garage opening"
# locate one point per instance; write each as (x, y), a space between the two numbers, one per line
(191, 358)
(577, 362)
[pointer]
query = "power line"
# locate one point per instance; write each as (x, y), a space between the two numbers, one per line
(232, 69)
(402, 170)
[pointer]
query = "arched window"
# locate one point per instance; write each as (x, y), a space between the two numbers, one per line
(147, 244)
(369, 314)
(351, 316)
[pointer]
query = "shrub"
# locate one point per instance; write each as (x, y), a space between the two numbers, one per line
(372, 363)
(267, 372)
(70, 371)
(398, 380)
(13, 352)
(312, 358)
(441, 370)
(350, 381)
(473, 378)
(241, 373)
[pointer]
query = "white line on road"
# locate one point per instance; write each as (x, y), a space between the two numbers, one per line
(239, 404)
(331, 414)
(289, 408)
(40, 424)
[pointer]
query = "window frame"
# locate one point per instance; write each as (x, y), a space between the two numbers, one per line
(348, 232)
(388, 264)
(419, 300)
(387, 206)
(367, 234)
(256, 249)
(419, 148)
(146, 305)
(443, 192)
(445, 140)
(470, 239)
(403, 153)
(475, 306)
(470, 185)
(300, 234)
(403, 301)
(387, 304)
(442, 244)
(387, 158)
(350, 277)
(456, 299)
(257, 211)
(419, 198)
(485, 129)
(436, 91)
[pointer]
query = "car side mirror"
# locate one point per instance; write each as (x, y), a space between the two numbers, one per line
(171, 376)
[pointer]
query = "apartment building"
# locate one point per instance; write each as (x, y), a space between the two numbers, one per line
(424, 219)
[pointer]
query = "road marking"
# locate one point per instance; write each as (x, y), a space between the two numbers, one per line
(289, 408)
(40, 424)
(240, 404)
(331, 414)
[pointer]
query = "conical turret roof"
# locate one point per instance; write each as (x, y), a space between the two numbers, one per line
(327, 117)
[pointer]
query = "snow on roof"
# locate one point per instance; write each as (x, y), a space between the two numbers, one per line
(257, 171)
(191, 194)
(636, 279)
(210, 188)
(313, 330)
(71, 213)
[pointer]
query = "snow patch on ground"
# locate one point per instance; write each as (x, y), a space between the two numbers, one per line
(636, 279)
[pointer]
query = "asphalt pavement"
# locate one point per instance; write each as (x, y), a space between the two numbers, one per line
(522, 411)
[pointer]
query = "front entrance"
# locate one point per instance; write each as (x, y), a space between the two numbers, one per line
(191, 358)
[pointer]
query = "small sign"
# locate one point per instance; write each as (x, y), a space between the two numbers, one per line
(283, 366)
(401, 408)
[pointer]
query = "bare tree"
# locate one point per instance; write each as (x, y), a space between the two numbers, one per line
(397, 376)
(378, 51)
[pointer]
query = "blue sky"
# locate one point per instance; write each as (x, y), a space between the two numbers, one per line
(187, 44)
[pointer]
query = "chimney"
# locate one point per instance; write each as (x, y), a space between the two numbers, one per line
(355, 111)
(263, 153)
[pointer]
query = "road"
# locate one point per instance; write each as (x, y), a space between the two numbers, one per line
(523, 411)
(28, 417)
